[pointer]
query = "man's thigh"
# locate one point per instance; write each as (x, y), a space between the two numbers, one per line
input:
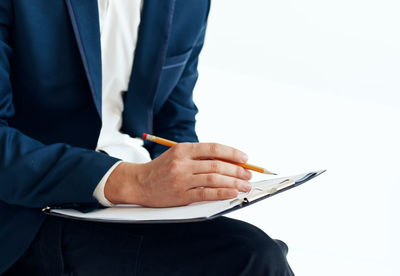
(221, 246)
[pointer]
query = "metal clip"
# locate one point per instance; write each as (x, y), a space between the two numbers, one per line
(46, 209)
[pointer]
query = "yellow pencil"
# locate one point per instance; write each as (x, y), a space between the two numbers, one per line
(170, 143)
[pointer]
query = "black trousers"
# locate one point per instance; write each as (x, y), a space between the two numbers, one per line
(221, 246)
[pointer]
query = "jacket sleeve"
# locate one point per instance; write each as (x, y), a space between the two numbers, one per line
(176, 119)
(33, 174)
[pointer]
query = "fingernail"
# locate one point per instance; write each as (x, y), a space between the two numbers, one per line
(246, 187)
(248, 174)
(232, 193)
(243, 157)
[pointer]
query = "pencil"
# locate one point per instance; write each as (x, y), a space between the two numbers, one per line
(170, 143)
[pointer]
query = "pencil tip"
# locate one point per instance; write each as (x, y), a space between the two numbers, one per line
(268, 172)
(144, 136)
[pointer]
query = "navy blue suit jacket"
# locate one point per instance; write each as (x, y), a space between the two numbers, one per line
(50, 101)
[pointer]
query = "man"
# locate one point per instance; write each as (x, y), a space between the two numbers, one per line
(67, 136)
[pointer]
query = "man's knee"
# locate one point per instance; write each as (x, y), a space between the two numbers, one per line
(265, 256)
(251, 251)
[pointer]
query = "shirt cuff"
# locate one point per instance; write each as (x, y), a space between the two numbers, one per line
(99, 191)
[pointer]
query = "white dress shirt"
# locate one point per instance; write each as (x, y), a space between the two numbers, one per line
(119, 22)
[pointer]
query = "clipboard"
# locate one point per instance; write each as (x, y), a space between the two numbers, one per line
(194, 212)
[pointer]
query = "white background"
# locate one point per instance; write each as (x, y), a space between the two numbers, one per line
(307, 85)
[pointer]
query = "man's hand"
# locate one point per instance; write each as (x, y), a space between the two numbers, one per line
(186, 173)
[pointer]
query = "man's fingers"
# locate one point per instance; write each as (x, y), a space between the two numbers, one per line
(210, 151)
(219, 167)
(211, 194)
(214, 180)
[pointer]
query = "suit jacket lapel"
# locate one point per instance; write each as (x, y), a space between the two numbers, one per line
(85, 22)
(149, 57)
